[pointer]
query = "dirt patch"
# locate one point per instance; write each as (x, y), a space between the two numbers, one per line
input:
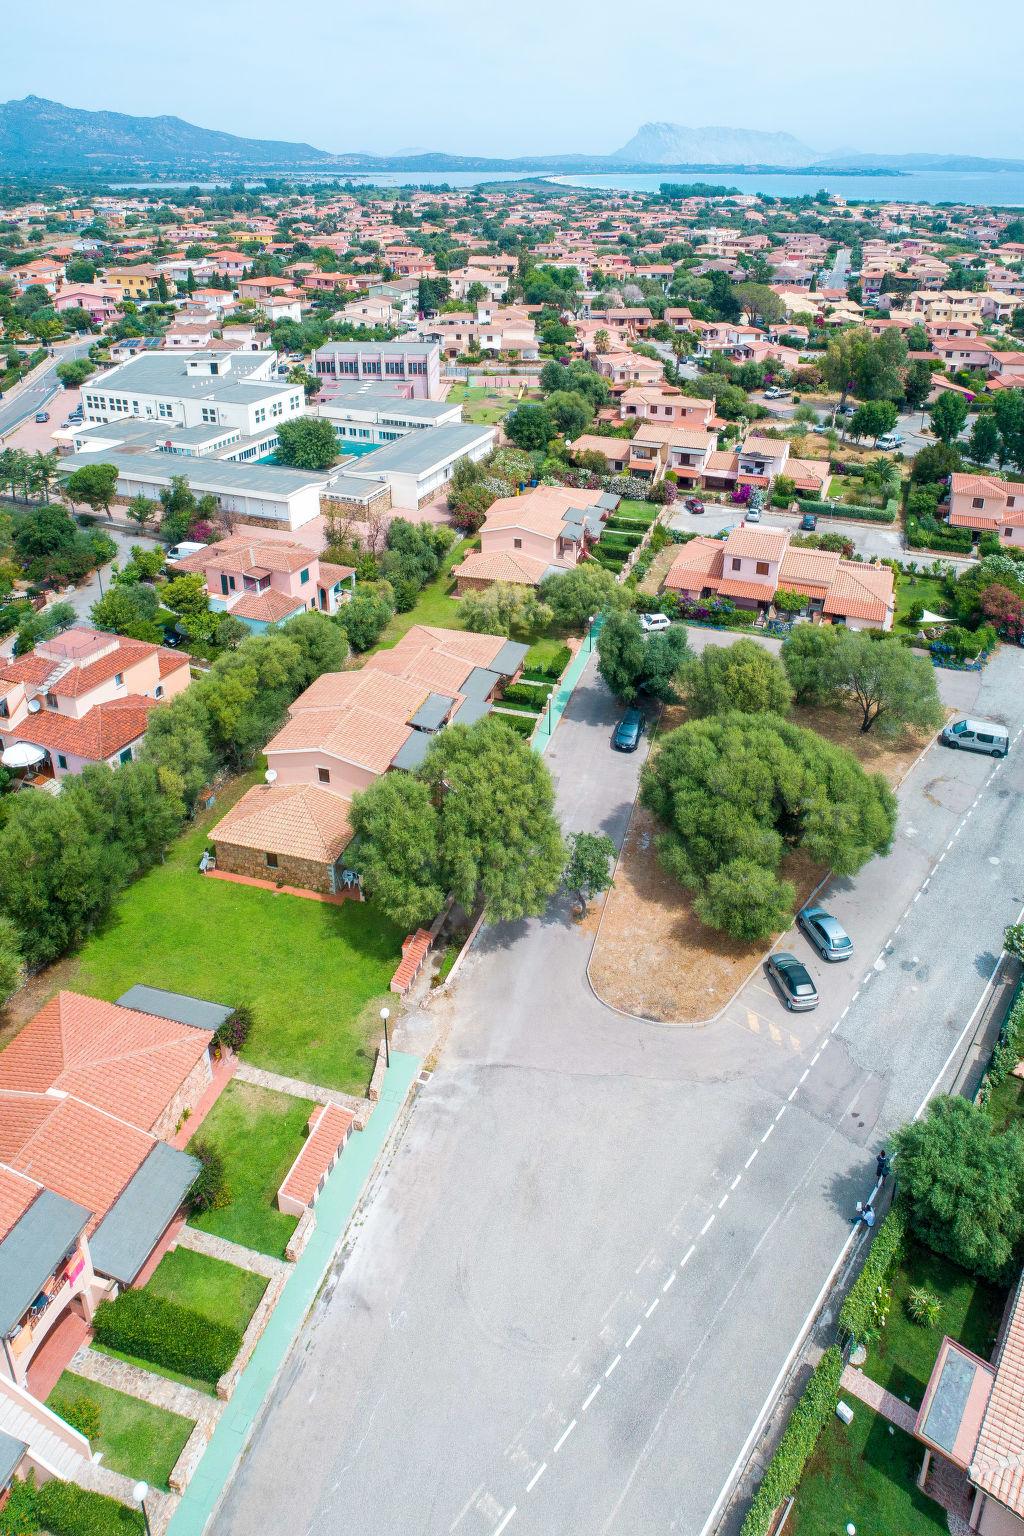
(652, 955)
(33, 995)
(651, 583)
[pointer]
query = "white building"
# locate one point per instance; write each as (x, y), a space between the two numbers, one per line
(220, 389)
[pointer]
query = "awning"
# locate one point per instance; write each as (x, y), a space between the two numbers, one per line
(22, 755)
(130, 1230)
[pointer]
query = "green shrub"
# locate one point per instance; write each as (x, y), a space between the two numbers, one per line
(79, 1410)
(927, 532)
(816, 1405)
(209, 1190)
(520, 722)
(19, 1516)
(886, 514)
(553, 669)
(64, 1509)
(1010, 1048)
(535, 695)
(923, 1306)
(236, 1029)
(859, 1312)
(151, 1328)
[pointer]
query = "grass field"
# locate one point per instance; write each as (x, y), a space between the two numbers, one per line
(482, 406)
(902, 1359)
(925, 590)
(435, 604)
(309, 971)
(864, 1476)
(218, 1291)
(136, 1438)
(258, 1134)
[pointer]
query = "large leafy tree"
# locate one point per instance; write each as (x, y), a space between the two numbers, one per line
(949, 416)
(891, 686)
(589, 870)
(744, 676)
(579, 594)
(95, 484)
(530, 426)
(475, 820)
(738, 789)
(964, 1181)
(504, 608)
(872, 369)
(308, 442)
(633, 663)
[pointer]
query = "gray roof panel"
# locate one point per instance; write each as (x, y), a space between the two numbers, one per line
(205, 474)
(413, 750)
(480, 683)
(471, 711)
(33, 1248)
(433, 712)
(129, 1231)
(176, 1006)
(510, 658)
(11, 1452)
(421, 451)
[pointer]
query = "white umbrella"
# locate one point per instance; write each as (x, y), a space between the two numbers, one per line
(22, 755)
(934, 618)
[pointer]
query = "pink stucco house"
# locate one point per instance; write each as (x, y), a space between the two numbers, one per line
(266, 581)
(85, 696)
(97, 299)
(661, 403)
(986, 504)
(525, 537)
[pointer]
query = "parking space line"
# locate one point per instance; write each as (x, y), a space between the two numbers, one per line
(535, 1479)
(688, 1255)
(563, 1437)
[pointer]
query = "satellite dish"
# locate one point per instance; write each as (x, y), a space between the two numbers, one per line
(271, 775)
(34, 706)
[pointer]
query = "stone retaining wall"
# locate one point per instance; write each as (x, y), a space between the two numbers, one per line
(257, 1323)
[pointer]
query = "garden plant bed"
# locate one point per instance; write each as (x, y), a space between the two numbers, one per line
(259, 1134)
(222, 1292)
(652, 956)
(135, 1437)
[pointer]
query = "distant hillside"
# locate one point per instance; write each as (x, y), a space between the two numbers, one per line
(36, 135)
(672, 144)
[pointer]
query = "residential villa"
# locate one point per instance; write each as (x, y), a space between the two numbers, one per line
(346, 730)
(670, 407)
(84, 696)
(752, 564)
(986, 504)
(525, 538)
(268, 581)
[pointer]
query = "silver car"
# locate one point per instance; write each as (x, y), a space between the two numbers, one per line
(793, 982)
(828, 936)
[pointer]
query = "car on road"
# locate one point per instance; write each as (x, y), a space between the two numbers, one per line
(888, 441)
(42, 415)
(977, 736)
(628, 731)
(808, 522)
(652, 623)
(693, 504)
(753, 515)
(775, 393)
(793, 982)
(825, 932)
(822, 428)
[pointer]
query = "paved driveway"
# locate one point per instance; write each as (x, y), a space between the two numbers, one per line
(599, 1238)
(22, 403)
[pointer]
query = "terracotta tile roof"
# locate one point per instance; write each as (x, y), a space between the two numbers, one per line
(998, 1465)
(16, 1195)
(817, 566)
(539, 511)
(270, 607)
(860, 592)
(762, 591)
(502, 565)
(70, 1147)
(103, 731)
(300, 821)
(123, 654)
(128, 1063)
(753, 543)
(354, 735)
(244, 553)
(722, 463)
(31, 669)
(331, 574)
(698, 564)
(983, 485)
(169, 662)
(329, 1127)
(764, 447)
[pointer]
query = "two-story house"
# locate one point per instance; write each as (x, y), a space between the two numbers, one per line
(986, 504)
(266, 581)
(85, 697)
(524, 538)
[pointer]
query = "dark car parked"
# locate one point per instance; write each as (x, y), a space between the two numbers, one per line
(793, 982)
(808, 522)
(628, 731)
(828, 936)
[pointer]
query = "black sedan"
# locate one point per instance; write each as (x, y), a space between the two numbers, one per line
(828, 936)
(792, 981)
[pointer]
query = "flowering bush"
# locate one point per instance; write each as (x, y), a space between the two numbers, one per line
(741, 495)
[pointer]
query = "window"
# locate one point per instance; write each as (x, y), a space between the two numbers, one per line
(979, 501)
(736, 564)
(62, 761)
(324, 775)
(304, 576)
(271, 859)
(118, 679)
(158, 692)
(517, 543)
(762, 567)
(164, 410)
(260, 414)
(125, 756)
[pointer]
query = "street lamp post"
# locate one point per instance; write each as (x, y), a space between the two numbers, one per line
(385, 1014)
(139, 1493)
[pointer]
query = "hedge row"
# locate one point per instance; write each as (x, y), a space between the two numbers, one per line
(1010, 1047)
(142, 1324)
(855, 1316)
(928, 533)
(990, 544)
(522, 723)
(64, 1509)
(886, 514)
(533, 694)
(815, 1407)
(618, 540)
(554, 668)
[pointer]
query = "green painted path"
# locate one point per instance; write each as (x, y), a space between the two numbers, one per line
(560, 696)
(333, 1210)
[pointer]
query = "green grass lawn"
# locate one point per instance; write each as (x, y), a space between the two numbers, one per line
(902, 1359)
(1006, 1102)
(480, 405)
(541, 654)
(136, 1438)
(926, 590)
(258, 1134)
(435, 604)
(866, 1476)
(645, 511)
(221, 1292)
(312, 973)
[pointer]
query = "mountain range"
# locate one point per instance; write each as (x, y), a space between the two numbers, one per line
(40, 137)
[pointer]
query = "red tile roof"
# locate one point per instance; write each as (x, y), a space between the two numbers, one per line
(998, 1465)
(105, 730)
(298, 820)
(16, 1195)
(70, 1147)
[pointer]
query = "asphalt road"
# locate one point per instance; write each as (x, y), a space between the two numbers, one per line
(599, 1238)
(21, 403)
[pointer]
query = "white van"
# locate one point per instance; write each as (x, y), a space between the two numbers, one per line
(977, 736)
(889, 440)
(182, 551)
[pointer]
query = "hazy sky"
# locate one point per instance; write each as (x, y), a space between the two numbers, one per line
(529, 76)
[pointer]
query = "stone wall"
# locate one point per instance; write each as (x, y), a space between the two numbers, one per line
(380, 503)
(306, 873)
(187, 1097)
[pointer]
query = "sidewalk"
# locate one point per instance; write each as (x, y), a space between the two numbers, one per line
(561, 695)
(334, 1210)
